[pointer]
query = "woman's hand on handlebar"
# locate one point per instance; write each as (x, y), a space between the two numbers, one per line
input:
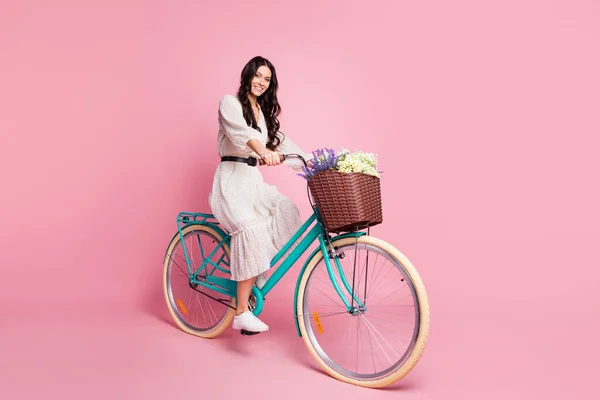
(267, 156)
(270, 158)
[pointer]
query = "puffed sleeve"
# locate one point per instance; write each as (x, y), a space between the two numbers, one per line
(234, 124)
(287, 146)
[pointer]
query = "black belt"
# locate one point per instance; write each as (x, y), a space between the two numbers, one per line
(251, 161)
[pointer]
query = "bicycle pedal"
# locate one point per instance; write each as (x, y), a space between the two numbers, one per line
(248, 333)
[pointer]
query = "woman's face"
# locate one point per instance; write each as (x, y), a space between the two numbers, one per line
(261, 80)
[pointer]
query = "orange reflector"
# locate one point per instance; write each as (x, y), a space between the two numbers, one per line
(319, 327)
(182, 306)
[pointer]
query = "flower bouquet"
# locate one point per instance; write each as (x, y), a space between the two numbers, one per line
(346, 189)
(344, 161)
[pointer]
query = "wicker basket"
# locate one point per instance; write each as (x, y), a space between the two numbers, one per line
(347, 201)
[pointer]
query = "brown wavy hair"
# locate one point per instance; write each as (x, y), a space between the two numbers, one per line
(267, 101)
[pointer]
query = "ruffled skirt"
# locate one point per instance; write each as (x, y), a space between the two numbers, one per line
(259, 218)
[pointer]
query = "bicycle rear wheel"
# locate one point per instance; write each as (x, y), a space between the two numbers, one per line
(189, 305)
(384, 335)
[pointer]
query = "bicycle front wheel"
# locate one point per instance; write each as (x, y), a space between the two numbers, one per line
(383, 335)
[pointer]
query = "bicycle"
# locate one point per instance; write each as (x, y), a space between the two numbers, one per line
(331, 294)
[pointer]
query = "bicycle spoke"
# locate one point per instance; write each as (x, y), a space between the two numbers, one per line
(327, 314)
(357, 341)
(375, 330)
(384, 280)
(389, 313)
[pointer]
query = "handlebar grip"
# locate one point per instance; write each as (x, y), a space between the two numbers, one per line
(282, 158)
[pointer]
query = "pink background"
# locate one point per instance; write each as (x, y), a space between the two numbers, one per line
(484, 115)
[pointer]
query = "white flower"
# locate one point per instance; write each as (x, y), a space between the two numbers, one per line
(358, 161)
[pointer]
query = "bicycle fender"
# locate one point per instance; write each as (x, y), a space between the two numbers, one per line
(301, 274)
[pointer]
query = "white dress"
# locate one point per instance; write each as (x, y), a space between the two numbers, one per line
(259, 218)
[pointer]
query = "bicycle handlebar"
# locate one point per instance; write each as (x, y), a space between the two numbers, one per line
(283, 157)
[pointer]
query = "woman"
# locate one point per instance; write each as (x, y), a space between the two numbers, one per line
(259, 218)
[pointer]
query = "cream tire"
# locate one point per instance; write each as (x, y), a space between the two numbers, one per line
(421, 340)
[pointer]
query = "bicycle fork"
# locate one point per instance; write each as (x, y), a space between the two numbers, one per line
(351, 307)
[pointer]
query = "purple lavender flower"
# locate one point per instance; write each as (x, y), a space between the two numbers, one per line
(323, 159)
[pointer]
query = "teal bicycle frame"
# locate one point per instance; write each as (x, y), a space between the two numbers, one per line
(202, 275)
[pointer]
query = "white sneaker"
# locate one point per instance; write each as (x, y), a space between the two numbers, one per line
(248, 322)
